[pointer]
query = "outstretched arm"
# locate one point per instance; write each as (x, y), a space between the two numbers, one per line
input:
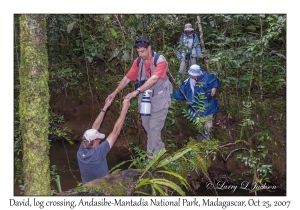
(119, 124)
(121, 85)
(100, 117)
(148, 84)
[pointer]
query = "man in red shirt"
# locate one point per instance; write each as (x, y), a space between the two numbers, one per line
(150, 75)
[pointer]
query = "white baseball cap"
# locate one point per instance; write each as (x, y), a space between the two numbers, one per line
(92, 134)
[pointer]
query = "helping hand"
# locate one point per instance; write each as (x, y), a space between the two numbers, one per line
(213, 91)
(131, 95)
(126, 103)
(111, 96)
(108, 102)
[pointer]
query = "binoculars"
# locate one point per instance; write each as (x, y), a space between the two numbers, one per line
(138, 84)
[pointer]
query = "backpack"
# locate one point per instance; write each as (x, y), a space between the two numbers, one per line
(194, 36)
(156, 56)
(155, 59)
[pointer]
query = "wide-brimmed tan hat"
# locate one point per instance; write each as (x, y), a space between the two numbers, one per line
(188, 27)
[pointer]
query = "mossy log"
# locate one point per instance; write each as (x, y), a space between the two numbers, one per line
(121, 183)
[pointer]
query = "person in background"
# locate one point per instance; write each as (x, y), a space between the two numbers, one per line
(189, 49)
(149, 71)
(207, 86)
(91, 155)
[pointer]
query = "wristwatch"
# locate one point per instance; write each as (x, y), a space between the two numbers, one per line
(139, 90)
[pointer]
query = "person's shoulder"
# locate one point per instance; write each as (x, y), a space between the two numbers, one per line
(80, 148)
(161, 58)
(206, 74)
(103, 143)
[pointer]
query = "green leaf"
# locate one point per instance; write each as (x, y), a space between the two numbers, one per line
(57, 180)
(125, 55)
(143, 182)
(115, 53)
(113, 32)
(117, 166)
(158, 155)
(153, 190)
(179, 177)
(70, 26)
(175, 157)
(140, 192)
(116, 171)
(168, 184)
(252, 27)
(160, 190)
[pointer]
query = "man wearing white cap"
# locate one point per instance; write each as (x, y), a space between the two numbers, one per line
(91, 155)
(207, 87)
(189, 48)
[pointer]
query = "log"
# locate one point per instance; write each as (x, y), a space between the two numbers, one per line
(121, 183)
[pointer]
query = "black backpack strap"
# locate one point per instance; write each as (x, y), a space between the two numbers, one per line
(194, 35)
(138, 61)
(155, 58)
(181, 37)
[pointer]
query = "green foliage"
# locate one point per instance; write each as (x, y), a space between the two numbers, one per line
(158, 183)
(140, 159)
(195, 118)
(188, 156)
(56, 130)
(169, 127)
(19, 174)
(65, 79)
(55, 178)
(258, 151)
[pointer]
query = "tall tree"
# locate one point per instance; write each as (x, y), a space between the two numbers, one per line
(34, 104)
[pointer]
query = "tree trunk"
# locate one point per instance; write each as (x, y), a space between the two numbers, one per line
(34, 104)
(202, 41)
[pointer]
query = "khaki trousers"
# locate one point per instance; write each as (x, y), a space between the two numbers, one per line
(153, 125)
(209, 121)
(183, 63)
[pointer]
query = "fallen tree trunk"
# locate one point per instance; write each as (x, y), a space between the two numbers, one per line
(121, 183)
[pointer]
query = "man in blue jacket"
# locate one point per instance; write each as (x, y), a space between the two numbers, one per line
(206, 84)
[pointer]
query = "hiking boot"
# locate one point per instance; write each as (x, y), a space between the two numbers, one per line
(206, 134)
(200, 137)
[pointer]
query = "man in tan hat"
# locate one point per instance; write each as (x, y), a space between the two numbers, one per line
(91, 155)
(189, 48)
